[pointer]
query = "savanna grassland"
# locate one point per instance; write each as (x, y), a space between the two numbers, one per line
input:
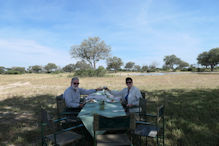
(191, 101)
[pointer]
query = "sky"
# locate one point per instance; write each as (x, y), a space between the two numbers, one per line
(37, 32)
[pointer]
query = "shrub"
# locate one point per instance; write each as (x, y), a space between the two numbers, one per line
(12, 72)
(57, 72)
(100, 72)
(21, 70)
(2, 70)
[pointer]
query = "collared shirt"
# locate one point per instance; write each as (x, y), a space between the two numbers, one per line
(133, 96)
(72, 96)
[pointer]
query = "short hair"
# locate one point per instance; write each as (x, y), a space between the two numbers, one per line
(128, 78)
(74, 79)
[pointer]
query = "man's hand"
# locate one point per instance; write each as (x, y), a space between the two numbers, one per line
(81, 105)
(129, 105)
(107, 89)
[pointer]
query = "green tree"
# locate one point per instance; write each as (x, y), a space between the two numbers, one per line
(144, 68)
(82, 65)
(114, 63)
(36, 69)
(170, 61)
(91, 50)
(203, 59)
(50, 67)
(182, 64)
(165, 67)
(129, 65)
(19, 69)
(137, 68)
(2, 69)
(214, 57)
(210, 58)
(69, 68)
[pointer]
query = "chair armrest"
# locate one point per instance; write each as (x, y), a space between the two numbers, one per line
(143, 122)
(148, 115)
(68, 113)
(68, 129)
(134, 106)
(58, 120)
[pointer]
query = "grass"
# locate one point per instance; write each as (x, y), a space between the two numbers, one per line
(191, 101)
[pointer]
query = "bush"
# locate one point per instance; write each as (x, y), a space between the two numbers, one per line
(2, 70)
(57, 72)
(100, 72)
(193, 69)
(81, 73)
(21, 70)
(12, 72)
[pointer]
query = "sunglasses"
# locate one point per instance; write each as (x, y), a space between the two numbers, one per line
(128, 82)
(76, 83)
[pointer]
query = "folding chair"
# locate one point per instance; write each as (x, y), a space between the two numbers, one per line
(116, 124)
(153, 129)
(56, 135)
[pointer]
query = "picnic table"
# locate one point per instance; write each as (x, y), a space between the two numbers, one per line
(108, 109)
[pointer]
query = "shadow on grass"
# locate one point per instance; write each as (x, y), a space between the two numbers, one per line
(192, 117)
(20, 116)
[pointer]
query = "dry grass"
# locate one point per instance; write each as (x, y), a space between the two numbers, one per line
(37, 84)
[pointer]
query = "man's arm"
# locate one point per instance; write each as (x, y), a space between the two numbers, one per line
(86, 92)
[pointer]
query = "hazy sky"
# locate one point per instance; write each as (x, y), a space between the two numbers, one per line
(36, 32)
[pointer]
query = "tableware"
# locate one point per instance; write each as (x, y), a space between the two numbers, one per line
(117, 110)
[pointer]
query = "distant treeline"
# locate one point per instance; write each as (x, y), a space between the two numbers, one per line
(93, 50)
(81, 68)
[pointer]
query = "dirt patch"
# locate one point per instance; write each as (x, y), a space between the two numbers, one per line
(13, 85)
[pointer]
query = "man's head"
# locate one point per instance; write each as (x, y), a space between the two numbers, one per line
(129, 82)
(75, 82)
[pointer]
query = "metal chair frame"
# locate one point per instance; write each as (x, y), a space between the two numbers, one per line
(159, 129)
(54, 127)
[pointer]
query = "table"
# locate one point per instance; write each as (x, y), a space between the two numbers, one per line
(108, 109)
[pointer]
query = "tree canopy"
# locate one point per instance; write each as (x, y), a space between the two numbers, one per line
(114, 63)
(171, 61)
(69, 68)
(35, 68)
(144, 68)
(129, 65)
(2, 69)
(91, 50)
(50, 67)
(82, 65)
(210, 58)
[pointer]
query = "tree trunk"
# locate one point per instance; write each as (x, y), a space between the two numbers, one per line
(90, 63)
(94, 63)
(212, 67)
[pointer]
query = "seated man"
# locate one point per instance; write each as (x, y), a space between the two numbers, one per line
(72, 95)
(129, 96)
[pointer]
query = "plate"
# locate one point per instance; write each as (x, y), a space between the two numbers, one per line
(111, 101)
